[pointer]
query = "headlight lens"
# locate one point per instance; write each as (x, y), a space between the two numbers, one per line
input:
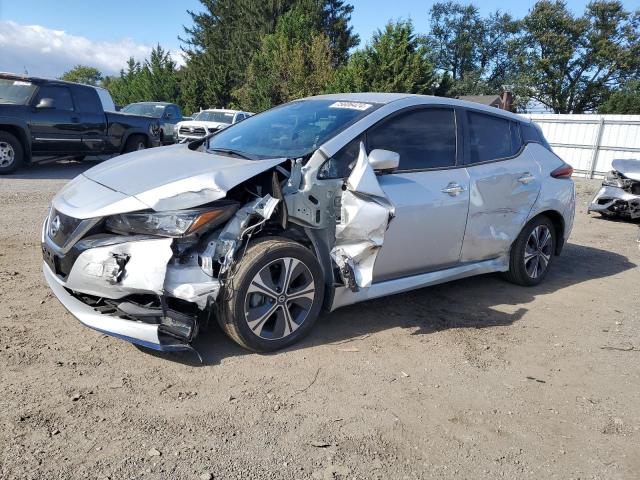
(172, 223)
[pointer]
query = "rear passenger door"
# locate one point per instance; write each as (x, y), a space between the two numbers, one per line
(504, 184)
(429, 190)
(92, 120)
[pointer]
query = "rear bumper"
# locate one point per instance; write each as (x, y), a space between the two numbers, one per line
(140, 333)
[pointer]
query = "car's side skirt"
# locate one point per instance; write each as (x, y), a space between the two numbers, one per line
(344, 296)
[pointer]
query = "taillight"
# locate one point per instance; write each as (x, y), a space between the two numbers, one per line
(563, 171)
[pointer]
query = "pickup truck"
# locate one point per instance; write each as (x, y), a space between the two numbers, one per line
(43, 120)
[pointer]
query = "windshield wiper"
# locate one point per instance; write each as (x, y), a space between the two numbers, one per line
(229, 151)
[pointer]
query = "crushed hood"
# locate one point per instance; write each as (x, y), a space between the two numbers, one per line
(627, 167)
(164, 178)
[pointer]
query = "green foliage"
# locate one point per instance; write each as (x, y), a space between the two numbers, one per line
(155, 80)
(475, 52)
(395, 61)
(83, 74)
(625, 101)
(225, 36)
(572, 64)
(293, 62)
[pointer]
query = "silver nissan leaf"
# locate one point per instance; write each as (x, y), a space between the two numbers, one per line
(309, 206)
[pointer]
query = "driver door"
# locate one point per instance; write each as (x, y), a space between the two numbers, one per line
(55, 129)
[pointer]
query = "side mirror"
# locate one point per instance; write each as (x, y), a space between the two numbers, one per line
(384, 160)
(45, 103)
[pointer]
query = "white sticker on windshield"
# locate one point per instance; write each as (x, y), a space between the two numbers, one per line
(351, 105)
(18, 82)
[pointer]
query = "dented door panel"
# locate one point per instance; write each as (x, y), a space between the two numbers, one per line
(502, 194)
(426, 233)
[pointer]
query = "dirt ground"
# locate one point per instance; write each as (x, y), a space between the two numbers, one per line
(473, 379)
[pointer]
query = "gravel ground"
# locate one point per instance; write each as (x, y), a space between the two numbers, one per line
(473, 379)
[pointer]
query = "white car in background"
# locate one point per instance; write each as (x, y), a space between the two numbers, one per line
(208, 121)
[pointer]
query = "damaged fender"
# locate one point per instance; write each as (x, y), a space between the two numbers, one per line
(365, 215)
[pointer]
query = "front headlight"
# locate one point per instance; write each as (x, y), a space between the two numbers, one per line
(178, 223)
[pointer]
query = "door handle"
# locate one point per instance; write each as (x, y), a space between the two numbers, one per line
(75, 119)
(453, 189)
(526, 178)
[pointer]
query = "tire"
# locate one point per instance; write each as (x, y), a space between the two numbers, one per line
(135, 143)
(539, 249)
(251, 309)
(11, 153)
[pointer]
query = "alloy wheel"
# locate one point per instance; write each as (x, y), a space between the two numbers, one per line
(7, 154)
(279, 298)
(538, 251)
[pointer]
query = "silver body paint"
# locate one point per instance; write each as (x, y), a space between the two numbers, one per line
(447, 223)
(620, 199)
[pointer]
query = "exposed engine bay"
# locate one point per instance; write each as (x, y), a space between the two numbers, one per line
(620, 192)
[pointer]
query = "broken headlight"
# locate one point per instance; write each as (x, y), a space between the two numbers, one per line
(171, 223)
(615, 179)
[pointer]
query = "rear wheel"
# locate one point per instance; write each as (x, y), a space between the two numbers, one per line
(273, 296)
(134, 143)
(11, 153)
(532, 252)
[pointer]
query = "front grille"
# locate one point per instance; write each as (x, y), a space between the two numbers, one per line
(61, 227)
(193, 131)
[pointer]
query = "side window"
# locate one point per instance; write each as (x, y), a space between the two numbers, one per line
(424, 138)
(61, 97)
(340, 165)
(489, 137)
(87, 100)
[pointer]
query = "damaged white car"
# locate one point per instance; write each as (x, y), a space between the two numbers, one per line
(315, 204)
(620, 192)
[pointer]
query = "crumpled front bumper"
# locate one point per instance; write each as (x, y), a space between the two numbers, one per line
(113, 269)
(140, 333)
(615, 200)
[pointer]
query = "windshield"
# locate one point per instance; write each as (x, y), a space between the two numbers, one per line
(145, 109)
(17, 92)
(292, 130)
(213, 116)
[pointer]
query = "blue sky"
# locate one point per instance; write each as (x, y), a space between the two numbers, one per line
(66, 32)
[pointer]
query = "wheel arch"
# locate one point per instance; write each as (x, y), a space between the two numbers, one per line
(20, 133)
(558, 223)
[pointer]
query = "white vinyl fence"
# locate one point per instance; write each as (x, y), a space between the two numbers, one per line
(590, 142)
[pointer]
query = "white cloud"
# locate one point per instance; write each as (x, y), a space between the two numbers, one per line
(46, 52)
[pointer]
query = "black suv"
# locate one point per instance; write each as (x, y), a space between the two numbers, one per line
(43, 120)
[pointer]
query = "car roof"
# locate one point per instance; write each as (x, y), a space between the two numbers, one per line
(151, 103)
(224, 110)
(385, 98)
(40, 80)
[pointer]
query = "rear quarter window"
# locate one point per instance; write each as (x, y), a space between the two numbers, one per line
(87, 100)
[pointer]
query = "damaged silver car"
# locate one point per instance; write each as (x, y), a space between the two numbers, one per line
(312, 205)
(620, 192)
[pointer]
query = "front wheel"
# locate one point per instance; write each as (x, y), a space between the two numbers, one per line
(11, 153)
(532, 252)
(273, 295)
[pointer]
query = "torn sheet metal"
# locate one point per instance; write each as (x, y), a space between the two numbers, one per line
(365, 215)
(115, 271)
(190, 283)
(174, 178)
(224, 247)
